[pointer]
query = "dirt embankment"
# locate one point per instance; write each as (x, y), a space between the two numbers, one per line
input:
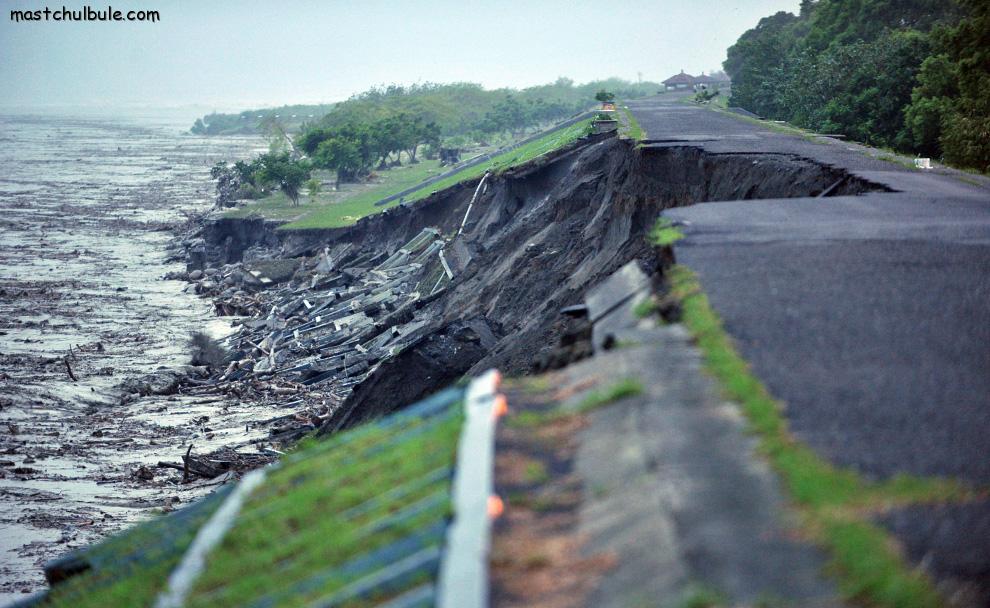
(535, 238)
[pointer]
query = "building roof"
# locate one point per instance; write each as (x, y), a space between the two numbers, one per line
(703, 79)
(681, 78)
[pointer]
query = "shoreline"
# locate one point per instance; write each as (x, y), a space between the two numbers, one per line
(84, 249)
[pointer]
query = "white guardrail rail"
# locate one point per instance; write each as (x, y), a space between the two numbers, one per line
(463, 581)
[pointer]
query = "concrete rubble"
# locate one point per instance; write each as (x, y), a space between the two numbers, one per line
(313, 328)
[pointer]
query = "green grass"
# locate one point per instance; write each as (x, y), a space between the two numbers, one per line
(131, 591)
(325, 504)
(630, 126)
(770, 125)
(117, 580)
(664, 234)
(535, 472)
(332, 211)
(701, 596)
(626, 387)
(836, 502)
(278, 206)
(645, 308)
(352, 201)
(318, 512)
(350, 210)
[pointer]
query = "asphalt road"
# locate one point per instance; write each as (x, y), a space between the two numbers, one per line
(868, 316)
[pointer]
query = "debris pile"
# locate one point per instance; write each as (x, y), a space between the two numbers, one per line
(319, 326)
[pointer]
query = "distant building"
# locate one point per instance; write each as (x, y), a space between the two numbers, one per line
(704, 82)
(684, 81)
(679, 82)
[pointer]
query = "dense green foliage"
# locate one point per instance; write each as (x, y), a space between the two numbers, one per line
(352, 148)
(468, 110)
(373, 129)
(907, 74)
(605, 96)
(950, 107)
(368, 129)
(380, 127)
(272, 170)
(459, 109)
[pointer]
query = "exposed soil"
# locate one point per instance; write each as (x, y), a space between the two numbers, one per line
(539, 235)
(537, 556)
(533, 240)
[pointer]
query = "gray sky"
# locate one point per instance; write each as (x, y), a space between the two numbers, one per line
(234, 54)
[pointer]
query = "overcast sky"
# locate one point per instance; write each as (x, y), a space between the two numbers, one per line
(232, 54)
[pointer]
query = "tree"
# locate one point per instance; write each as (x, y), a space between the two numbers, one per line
(951, 104)
(755, 63)
(342, 156)
(858, 89)
(228, 182)
(912, 74)
(288, 175)
(507, 115)
(604, 96)
(313, 187)
(932, 101)
(246, 172)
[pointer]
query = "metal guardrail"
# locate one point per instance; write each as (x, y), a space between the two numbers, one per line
(181, 581)
(440, 561)
(474, 162)
(463, 579)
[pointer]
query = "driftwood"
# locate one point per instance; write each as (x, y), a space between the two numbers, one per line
(68, 368)
(216, 464)
(192, 465)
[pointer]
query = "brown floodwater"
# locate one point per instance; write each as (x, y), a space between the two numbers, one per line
(85, 210)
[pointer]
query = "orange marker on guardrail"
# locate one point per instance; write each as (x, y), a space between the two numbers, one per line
(495, 507)
(500, 407)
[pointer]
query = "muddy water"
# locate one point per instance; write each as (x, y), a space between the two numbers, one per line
(84, 210)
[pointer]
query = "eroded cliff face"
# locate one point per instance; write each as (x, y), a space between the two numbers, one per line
(535, 240)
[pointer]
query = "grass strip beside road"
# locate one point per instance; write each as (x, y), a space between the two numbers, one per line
(622, 388)
(836, 503)
(630, 126)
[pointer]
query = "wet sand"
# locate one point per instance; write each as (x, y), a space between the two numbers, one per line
(85, 211)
